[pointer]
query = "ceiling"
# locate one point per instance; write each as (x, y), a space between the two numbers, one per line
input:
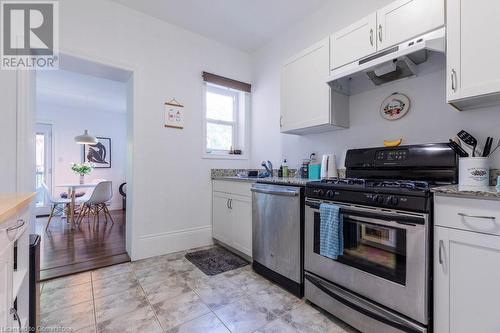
(75, 91)
(243, 24)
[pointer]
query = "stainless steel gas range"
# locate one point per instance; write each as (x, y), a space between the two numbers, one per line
(382, 281)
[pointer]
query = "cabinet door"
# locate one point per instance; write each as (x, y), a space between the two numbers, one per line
(241, 209)
(466, 285)
(305, 94)
(354, 42)
(405, 19)
(221, 218)
(6, 268)
(472, 48)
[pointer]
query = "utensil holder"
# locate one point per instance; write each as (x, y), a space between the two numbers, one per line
(474, 171)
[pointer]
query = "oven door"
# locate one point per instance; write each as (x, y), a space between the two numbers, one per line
(385, 256)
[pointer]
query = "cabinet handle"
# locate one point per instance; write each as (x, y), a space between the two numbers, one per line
(441, 245)
(492, 218)
(281, 121)
(371, 36)
(15, 227)
(13, 312)
(453, 80)
(230, 203)
(227, 203)
(380, 32)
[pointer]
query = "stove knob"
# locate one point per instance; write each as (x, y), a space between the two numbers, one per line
(380, 199)
(393, 201)
(330, 194)
(376, 198)
(321, 193)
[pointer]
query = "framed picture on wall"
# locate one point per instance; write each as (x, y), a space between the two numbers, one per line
(98, 154)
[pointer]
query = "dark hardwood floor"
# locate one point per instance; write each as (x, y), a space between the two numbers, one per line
(64, 251)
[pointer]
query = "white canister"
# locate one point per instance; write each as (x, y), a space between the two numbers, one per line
(474, 171)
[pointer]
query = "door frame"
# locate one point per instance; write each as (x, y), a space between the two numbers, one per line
(26, 120)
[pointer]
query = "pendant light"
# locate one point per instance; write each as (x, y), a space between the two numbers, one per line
(86, 139)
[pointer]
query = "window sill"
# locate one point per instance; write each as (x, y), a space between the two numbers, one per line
(224, 157)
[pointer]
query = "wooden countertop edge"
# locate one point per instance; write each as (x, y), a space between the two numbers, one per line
(11, 204)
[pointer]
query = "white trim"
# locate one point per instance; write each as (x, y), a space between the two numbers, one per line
(224, 156)
(175, 232)
(172, 241)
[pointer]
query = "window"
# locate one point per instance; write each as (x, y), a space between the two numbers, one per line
(221, 119)
(225, 118)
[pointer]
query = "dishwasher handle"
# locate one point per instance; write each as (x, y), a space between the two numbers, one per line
(284, 192)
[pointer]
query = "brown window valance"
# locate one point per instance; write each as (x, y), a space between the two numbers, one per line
(226, 82)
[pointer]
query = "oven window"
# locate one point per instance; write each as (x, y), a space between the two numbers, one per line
(373, 248)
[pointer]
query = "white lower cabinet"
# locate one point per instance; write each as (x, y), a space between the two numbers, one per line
(232, 215)
(466, 270)
(14, 284)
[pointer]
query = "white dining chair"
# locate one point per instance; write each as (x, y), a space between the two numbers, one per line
(97, 202)
(59, 205)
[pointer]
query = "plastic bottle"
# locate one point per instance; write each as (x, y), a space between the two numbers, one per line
(285, 168)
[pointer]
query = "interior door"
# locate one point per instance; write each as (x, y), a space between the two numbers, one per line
(241, 208)
(405, 19)
(43, 166)
(466, 281)
(222, 224)
(305, 96)
(354, 42)
(471, 55)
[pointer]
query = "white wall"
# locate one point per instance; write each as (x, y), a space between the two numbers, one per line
(68, 122)
(171, 209)
(429, 120)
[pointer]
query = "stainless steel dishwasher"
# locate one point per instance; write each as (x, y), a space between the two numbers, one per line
(278, 225)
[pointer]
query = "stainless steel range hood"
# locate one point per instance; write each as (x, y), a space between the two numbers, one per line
(392, 64)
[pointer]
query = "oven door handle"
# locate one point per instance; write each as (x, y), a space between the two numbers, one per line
(381, 217)
(360, 305)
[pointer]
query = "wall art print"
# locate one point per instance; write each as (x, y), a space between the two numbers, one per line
(98, 154)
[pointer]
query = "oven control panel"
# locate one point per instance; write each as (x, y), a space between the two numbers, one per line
(392, 155)
(378, 199)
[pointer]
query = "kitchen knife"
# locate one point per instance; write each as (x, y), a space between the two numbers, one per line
(457, 149)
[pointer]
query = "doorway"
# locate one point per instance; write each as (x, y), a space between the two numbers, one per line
(43, 166)
(81, 97)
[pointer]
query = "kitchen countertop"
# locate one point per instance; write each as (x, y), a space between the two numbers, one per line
(488, 192)
(267, 180)
(11, 204)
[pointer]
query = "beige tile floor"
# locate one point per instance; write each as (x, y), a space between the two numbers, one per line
(169, 294)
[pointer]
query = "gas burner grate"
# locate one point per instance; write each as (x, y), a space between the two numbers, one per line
(343, 181)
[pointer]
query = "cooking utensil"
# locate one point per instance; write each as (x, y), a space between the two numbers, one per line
(468, 139)
(498, 145)
(487, 146)
(457, 149)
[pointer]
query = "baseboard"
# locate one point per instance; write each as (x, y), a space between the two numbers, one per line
(173, 241)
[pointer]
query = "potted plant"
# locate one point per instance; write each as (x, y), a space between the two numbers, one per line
(82, 169)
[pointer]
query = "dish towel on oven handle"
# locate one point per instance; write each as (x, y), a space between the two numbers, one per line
(331, 231)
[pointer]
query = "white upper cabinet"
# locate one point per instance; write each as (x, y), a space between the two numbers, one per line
(406, 19)
(395, 23)
(473, 50)
(354, 42)
(305, 95)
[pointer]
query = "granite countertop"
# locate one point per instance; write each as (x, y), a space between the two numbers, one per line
(487, 192)
(266, 180)
(284, 181)
(237, 179)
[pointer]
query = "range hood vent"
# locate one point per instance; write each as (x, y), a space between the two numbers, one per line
(396, 63)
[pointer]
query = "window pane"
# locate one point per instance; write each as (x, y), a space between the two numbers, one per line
(219, 107)
(40, 167)
(219, 137)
